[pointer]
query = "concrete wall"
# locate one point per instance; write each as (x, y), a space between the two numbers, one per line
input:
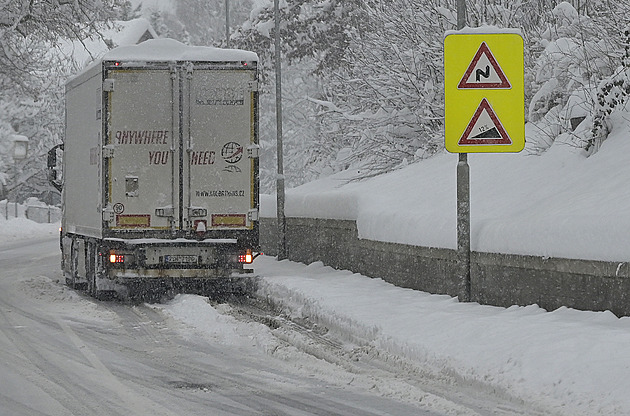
(496, 279)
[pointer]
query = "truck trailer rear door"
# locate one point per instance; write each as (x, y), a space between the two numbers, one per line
(142, 163)
(219, 185)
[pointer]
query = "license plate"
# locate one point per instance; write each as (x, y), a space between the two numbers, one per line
(180, 258)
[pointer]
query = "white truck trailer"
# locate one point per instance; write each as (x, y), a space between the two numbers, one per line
(159, 173)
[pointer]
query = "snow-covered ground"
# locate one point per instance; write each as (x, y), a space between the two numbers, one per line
(16, 229)
(575, 362)
(570, 362)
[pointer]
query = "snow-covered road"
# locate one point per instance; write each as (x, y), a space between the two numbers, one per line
(318, 342)
(64, 354)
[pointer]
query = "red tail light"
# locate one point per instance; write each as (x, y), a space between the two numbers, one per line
(116, 258)
(246, 257)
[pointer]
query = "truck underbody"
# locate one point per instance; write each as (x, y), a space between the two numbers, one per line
(147, 269)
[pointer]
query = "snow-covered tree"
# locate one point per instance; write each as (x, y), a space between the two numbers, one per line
(167, 25)
(580, 48)
(29, 29)
(386, 107)
(315, 38)
(31, 76)
(316, 30)
(41, 120)
(197, 22)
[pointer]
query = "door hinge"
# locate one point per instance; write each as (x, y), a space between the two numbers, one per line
(253, 86)
(252, 214)
(253, 151)
(108, 151)
(108, 213)
(108, 85)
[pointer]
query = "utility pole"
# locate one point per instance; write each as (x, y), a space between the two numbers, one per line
(227, 24)
(463, 200)
(282, 221)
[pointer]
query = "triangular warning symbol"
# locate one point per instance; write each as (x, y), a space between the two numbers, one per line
(484, 72)
(484, 128)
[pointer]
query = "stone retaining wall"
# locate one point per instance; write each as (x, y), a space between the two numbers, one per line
(496, 279)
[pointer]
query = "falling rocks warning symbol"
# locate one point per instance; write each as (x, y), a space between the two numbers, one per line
(492, 133)
(484, 128)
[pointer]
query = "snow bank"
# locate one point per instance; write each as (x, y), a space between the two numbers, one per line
(214, 324)
(573, 362)
(559, 204)
(22, 229)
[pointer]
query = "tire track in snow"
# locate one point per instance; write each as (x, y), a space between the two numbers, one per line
(134, 403)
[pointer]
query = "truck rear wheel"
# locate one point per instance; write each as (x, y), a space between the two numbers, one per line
(95, 273)
(71, 277)
(90, 262)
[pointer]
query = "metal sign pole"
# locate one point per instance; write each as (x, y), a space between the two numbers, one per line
(463, 226)
(15, 194)
(463, 200)
(227, 24)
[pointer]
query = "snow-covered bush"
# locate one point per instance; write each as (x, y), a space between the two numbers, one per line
(579, 51)
(612, 95)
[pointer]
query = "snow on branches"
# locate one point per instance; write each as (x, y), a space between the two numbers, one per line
(579, 50)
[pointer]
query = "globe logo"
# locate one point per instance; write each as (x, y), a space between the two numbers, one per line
(232, 152)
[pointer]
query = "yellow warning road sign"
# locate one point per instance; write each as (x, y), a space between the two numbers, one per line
(484, 92)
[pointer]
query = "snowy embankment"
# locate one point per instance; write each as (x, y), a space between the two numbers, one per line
(573, 362)
(18, 229)
(559, 204)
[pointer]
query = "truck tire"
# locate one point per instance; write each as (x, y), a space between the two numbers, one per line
(95, 274)
(90, 266)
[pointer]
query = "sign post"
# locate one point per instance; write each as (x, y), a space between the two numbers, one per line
(20, 151)
(463, 199)
(484, 111)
